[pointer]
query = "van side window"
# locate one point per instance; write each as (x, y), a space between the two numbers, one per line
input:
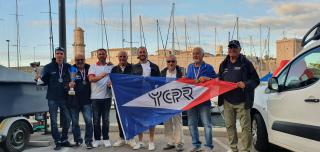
(304, 71)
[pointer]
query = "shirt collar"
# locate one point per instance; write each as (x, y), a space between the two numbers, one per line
(100, 64)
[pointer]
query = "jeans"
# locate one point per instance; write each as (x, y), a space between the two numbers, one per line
(101, 109)
(119, 124)
(87, 116)
(53, 110)
(201, 111)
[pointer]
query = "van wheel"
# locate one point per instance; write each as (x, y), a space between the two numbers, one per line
(18, 137)
(259, 133)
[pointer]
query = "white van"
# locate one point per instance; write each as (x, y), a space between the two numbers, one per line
(286, 111)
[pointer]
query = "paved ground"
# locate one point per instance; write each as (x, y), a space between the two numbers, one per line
(220, 144)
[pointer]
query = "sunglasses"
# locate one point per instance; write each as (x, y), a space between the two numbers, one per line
(171, 61)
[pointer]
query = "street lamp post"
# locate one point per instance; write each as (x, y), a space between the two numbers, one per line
(8, 53)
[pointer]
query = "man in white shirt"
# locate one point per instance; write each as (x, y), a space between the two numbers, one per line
(145, 68)
(173, 127)
(101, 98)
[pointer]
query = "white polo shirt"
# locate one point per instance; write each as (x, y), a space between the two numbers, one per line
(99, 89)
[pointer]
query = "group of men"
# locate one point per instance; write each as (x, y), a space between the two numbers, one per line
(93, 98)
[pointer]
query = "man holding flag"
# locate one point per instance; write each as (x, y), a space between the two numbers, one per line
(173, 127)
(123, 68)
(199, 71)
(145, 68)
(238, 69)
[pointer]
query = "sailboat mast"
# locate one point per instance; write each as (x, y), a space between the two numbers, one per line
(238, 28)
(185, 38)
(101, 23)
(130, 32)
(158, 41)
(198, 30)
(173, 27)
(18, 36)
(51, 45)
(76, 15)
(215, 38)
(122, 32)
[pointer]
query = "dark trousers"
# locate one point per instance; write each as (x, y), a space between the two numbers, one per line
(53, 110)
(101, 109)
(119, 124)
(87, 116)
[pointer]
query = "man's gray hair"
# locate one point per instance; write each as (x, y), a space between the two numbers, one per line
(200, 49)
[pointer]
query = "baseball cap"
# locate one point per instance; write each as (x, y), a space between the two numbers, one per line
(234, 44)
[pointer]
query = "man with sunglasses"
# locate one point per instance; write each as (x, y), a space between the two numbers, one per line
(200, 71)
(123, 68)
(56, 75)
(173, 127)
(81, 102)
(237, 103)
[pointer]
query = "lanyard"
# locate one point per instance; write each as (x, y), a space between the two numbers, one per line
(194, 72)
(83, 74)
(60, 71)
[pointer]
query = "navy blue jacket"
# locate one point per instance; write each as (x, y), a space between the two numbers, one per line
(50, 76)
(83, 91)
(249, 77)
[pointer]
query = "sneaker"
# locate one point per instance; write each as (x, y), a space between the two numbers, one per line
(58, 147)
(89, 145)
(139, 145)
(131, 143)
(119, 143)
(179, 147)
(106, 143)
(151, 146)
(196, 150)
(168, 147)
(66, 144)
(208, 149)
(96, 143)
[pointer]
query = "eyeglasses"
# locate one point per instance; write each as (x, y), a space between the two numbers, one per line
(171, 61)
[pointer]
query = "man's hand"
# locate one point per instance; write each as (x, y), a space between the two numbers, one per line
(204, 79)
(241, 85)
(109, 83)
(102, 75)
(72, 84)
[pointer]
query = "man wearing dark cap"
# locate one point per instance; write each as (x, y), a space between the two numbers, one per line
(56, 75)
(237, 103)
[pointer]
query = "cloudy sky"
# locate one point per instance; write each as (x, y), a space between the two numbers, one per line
(289, 18)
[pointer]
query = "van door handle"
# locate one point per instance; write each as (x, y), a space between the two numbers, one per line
(311, 100)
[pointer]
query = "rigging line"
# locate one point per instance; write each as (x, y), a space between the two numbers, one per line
(161, 36)
(105, 31)
(234, 28)
(144, 38)
(168, 30)
(175, 27)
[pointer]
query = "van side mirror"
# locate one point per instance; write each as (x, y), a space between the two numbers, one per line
(273, 84)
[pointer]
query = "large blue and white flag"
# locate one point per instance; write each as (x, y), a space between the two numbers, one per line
(143, 102)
